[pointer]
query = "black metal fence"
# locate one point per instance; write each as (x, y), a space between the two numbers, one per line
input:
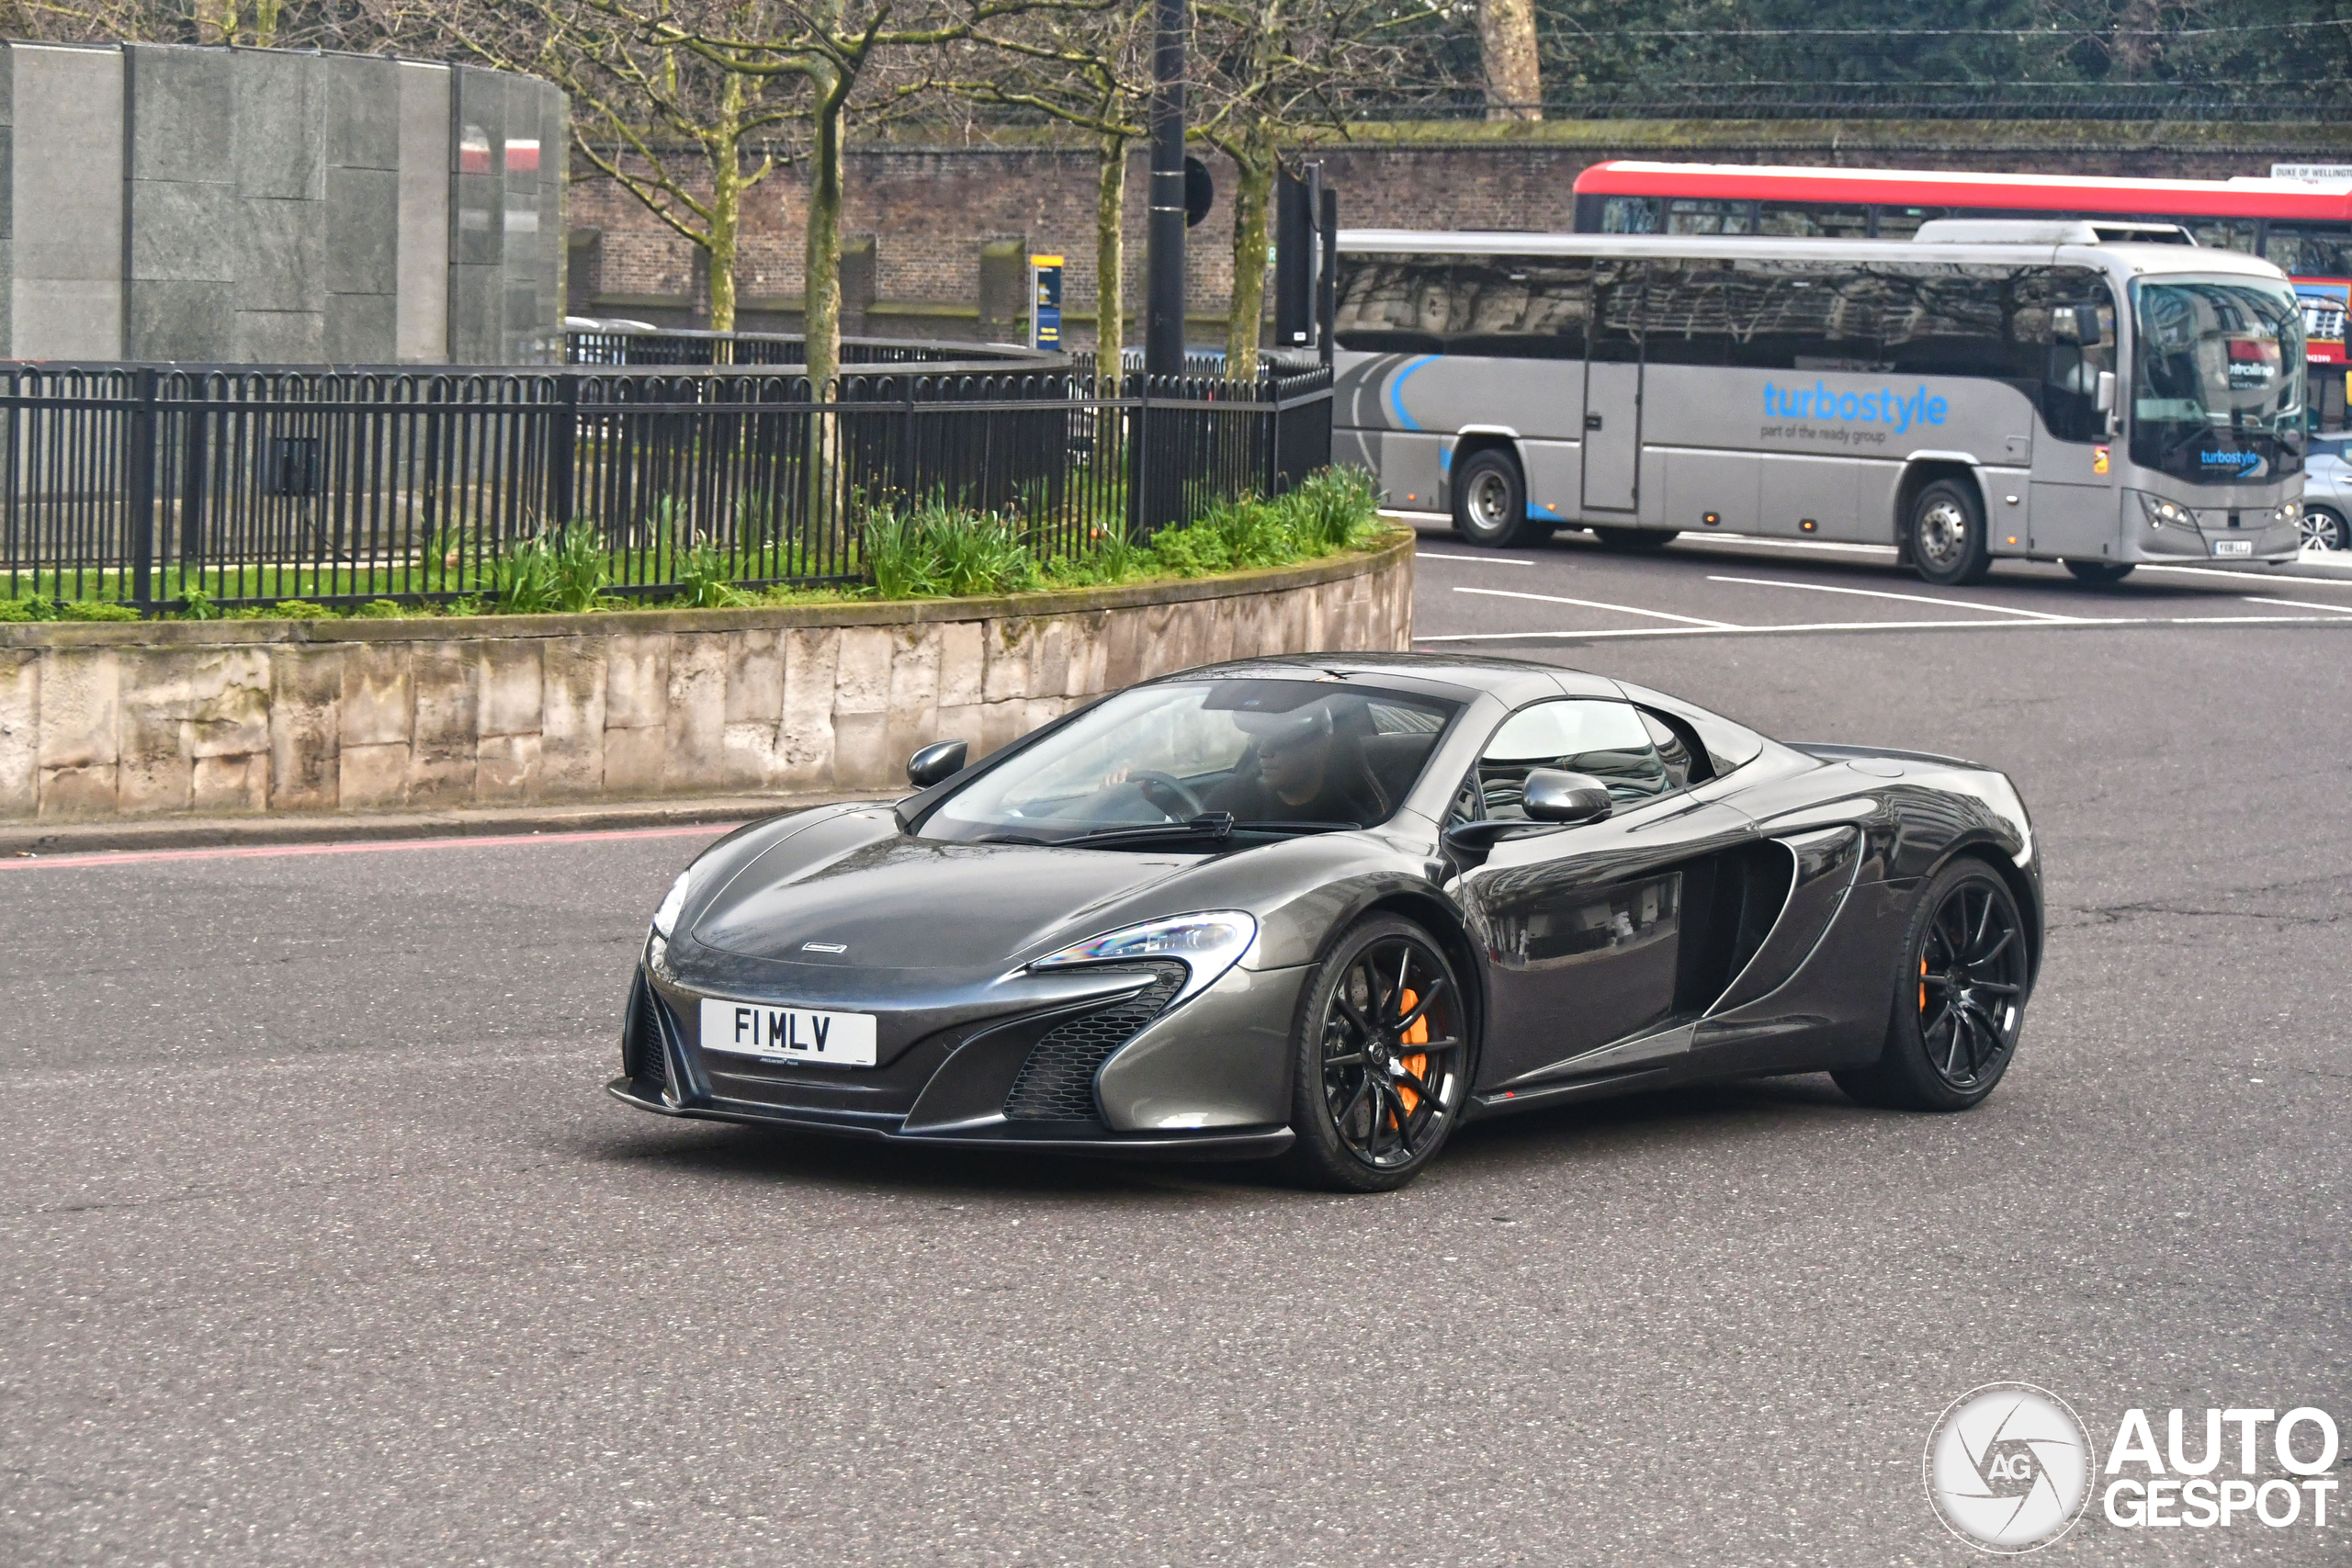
(612, 344)
(152, 486)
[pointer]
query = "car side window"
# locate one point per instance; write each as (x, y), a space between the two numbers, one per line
(1606, 739)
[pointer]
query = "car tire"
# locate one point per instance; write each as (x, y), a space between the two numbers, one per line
(1952, 1032)
(2099, 573)
(2324, 528)
(1637, 539)
(1349, 1089)
(1490, 502)
(1944, 534)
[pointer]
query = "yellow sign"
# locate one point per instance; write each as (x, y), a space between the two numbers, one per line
(1045, 261)
(2099, 459)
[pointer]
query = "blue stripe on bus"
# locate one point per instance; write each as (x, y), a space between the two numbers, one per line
(1545, 512)
(1396, 387)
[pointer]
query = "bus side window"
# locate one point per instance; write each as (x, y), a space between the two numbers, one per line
(1628, 215)
(1688, 321)
(1382, 304)
(1802, 316)
(1945, 320)
(2069, 314)
(1616, 326)
(1813, 219)
(2223, 233)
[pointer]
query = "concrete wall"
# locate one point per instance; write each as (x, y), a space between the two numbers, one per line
(259, 206)
(63, 211)
(103, 720)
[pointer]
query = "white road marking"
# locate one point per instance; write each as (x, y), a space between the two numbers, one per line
(2084, 624)
(359, 847)
(1482, 560)
(1758, 631)
(1598, 604)
(2252, 576)
(1881, 594)
(2299, 604)
(1762, 543)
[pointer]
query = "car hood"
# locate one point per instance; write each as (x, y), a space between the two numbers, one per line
(887, 901)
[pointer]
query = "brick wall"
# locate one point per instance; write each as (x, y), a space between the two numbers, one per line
(931, 208)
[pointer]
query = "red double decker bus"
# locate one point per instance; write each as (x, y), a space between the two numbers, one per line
(2303, 228)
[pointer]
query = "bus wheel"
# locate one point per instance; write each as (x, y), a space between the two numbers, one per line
(1637, 539)
(1947, 534)
(2099, 573)
(1490, 502)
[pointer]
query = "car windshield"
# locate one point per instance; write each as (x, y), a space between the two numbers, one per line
(1212, 759)
(2217, 384)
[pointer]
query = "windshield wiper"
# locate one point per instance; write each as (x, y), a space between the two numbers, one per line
(1217, 826)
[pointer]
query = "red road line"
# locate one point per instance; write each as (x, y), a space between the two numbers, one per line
(371, 846)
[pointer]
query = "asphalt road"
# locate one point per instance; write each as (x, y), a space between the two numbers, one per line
(325, 1246)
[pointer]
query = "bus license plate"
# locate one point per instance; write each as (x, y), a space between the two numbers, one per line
(2233, 547)
(789, 1034)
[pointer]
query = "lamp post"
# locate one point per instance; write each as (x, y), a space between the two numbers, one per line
(1163, 339)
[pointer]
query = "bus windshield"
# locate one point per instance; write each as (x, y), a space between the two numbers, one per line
(2217, 386)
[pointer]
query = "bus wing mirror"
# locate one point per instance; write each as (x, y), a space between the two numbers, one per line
(2106, 394)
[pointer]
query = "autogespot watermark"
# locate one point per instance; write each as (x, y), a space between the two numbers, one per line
(2010, 1468)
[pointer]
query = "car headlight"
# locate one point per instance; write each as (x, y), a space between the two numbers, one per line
(2162, 513)
(1207, 945)
(674, 903)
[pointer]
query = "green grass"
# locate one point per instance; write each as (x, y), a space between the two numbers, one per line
(934, 549)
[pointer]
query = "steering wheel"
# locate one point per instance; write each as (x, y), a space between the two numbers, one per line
(1155, 784)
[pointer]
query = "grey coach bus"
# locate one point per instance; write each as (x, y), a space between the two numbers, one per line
(1986, 389)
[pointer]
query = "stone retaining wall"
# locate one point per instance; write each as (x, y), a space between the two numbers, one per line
(101, 720)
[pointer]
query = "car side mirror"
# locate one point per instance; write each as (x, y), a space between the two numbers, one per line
(1553, 798)
(1557, 795)
(935, 763)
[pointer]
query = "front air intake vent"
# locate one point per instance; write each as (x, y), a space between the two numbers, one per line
(1057, 1083)
(643, 1059)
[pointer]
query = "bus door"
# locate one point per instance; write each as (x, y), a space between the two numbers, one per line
(2073, 505)
(1612, 388)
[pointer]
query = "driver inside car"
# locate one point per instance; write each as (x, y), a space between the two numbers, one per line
(1307, 772)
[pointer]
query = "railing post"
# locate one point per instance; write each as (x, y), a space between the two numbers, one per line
(140, 496)
(1272, 392)
(561, 450)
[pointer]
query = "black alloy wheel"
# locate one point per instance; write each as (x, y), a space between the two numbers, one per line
(1637, 539)
(2099, 573)
(1490, 502)
(1959, 997)
(2323, 528)
(1945, 533)
(1383, 1060)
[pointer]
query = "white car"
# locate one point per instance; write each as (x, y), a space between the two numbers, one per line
(2327, 495)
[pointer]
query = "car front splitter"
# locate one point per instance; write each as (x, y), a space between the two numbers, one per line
(1239, 1143)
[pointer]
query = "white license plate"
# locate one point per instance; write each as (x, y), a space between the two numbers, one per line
(2233, 547)
(789, 1034)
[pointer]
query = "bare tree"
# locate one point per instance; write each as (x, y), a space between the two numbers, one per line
(686, 137)
(1506, 54)
(1271, 75)
(828, 46)
(1091, 71)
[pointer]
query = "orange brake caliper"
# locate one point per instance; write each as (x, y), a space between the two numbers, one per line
(1419, 1063)
(1923, 985)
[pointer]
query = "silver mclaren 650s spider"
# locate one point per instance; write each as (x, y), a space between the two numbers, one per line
(1328, 908)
